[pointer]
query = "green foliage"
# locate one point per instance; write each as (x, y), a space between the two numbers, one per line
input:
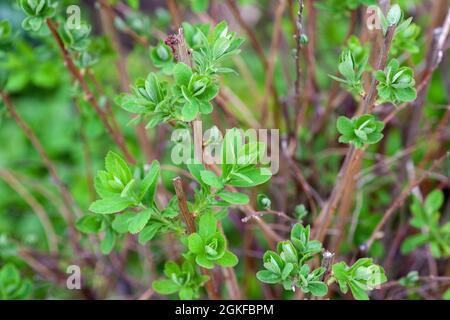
(137, 21)
(76, 39)
(263, 201)
(360, 130)
(405, 38)
(37, 11)
(208, 246)
(194, 92)
(185, 280)
(119, 189)
(352, 71)
(300, 212)
(162, 57)
(426, 218)
(392, 18)
(239, 161)
(199, 5)
(396, 84)
(29, 66)
(12, 286)
(211, 48)
(288, 265)
(410, 280)
(342, 6)
(361, 277)
(192, 89)
(5, 34)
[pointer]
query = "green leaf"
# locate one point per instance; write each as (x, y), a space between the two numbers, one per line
(186, 293)
(287, 270)
(412, 242)
(318, 288)
(195, 169)
(254, 176)
(210, 178)
(165, 286)
(138, 222)
(182, 74)
(150, 181)
(229, 259)
(110, 205)
(345, 125)
(190, 110)
(199, 5)
(203, 261)
(234, 197)
(195, 244)
(108, 241)
(90, 223)
(121, 222)
(149, 232)
(267, 276)
(394, 15)
(433, 202)
(207, 225)
(116, 165)
(358, 292)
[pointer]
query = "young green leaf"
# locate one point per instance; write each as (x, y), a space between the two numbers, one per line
(138, 222)
(110, 205)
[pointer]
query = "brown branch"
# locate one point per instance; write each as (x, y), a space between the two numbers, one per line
(43, 216)
(75, 72)
(401, 199)
(108, 16)
(269, 87)
(353, 156)
(174, 12)
(112, 14)
(253, 39)
(190, 224)
(367, 103)
(69, 213)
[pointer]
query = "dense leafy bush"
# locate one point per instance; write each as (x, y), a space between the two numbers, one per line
(323, 172)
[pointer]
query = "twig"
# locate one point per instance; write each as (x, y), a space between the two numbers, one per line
(400, 200)
(190, 224)
(368, 101)
(126, 29)
(117, 136)
(67, 198)
(253, 39)
(43, 216)
(107, 15)
(269, 87)
(299, 109)
(267, 212)
(353, 156)
(173, 9)
(327, 261)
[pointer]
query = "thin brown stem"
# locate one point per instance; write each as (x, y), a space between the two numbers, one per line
(43, 216)
(401, 199)
(190, 224)
(75, 72)
(69, 212)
